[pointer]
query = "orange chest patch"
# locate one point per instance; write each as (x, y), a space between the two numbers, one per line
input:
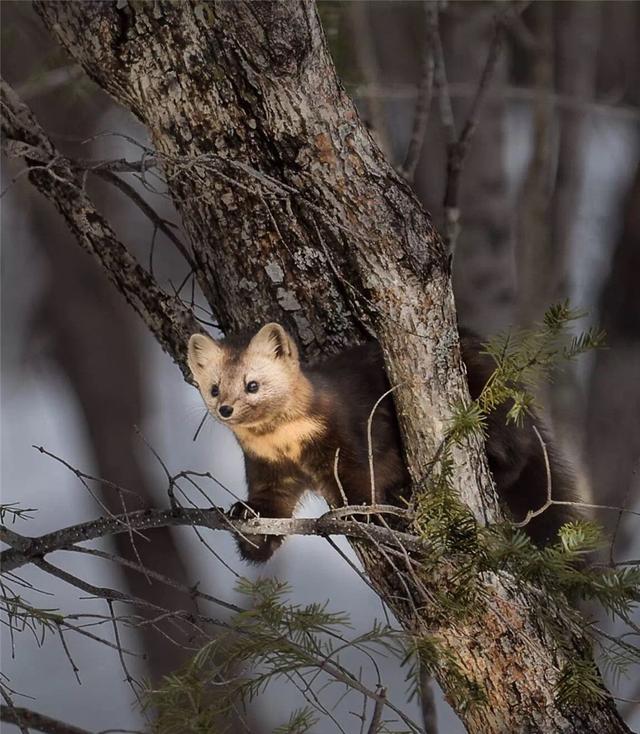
(286, 442)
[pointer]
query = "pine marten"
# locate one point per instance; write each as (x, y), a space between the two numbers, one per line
(291, 418)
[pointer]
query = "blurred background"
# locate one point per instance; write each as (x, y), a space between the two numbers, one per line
(550, 209)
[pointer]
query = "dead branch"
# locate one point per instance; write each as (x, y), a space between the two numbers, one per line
(297, 127)
(25, 549)
(24, 717)
(158, 222)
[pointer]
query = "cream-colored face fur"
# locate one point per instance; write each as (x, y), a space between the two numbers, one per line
(270, 360)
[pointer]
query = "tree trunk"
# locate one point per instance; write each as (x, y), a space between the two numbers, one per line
(294, 214)
(614, 395)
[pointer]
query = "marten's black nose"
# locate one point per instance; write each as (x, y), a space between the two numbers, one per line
(225, 411)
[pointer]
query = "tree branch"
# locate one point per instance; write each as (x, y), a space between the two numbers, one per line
(56, 177)
(25, 549)
(25, 717)
(425, 92)
(107, 175)
(458, 148)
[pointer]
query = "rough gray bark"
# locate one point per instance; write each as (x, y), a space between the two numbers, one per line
(251, 85)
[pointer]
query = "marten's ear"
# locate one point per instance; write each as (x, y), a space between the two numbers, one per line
(273, 341)
(202, 349)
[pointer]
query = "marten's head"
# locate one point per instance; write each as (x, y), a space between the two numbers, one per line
(249, 385)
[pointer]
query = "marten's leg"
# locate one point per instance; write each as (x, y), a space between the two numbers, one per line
(272, 492)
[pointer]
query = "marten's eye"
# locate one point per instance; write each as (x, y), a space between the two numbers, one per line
(252, 386)
(215, 391)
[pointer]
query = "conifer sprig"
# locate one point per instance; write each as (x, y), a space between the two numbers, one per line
(273, 639)
(525, 357)
(522, 359)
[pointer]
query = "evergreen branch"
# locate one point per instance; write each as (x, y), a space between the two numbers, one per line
(274, 639)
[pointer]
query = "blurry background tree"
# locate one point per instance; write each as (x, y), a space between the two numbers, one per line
(76, 322)
(548, 206)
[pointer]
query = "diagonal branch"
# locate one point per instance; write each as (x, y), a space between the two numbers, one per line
(272, 102)
(157, 221)
(56, 177)
(25, 717)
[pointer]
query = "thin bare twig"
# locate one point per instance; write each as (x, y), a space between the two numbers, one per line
(534, 513)
(60, 182)
(158, 222)
(194, 592)
(370, 442)
(458, 148)
(376, 719)
(425, 91)
(336, 475)
(566, 503)
(328, 524)
(132, 682)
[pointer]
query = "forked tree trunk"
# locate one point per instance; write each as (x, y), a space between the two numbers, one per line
(294, 214)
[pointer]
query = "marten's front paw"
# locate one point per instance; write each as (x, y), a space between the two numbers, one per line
(253, 548)
(258, 548)
(242, 511)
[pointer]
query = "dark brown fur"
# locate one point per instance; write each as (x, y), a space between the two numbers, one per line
(344, 390)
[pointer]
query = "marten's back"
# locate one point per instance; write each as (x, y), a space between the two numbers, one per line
(346, 389)
(347, 386)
